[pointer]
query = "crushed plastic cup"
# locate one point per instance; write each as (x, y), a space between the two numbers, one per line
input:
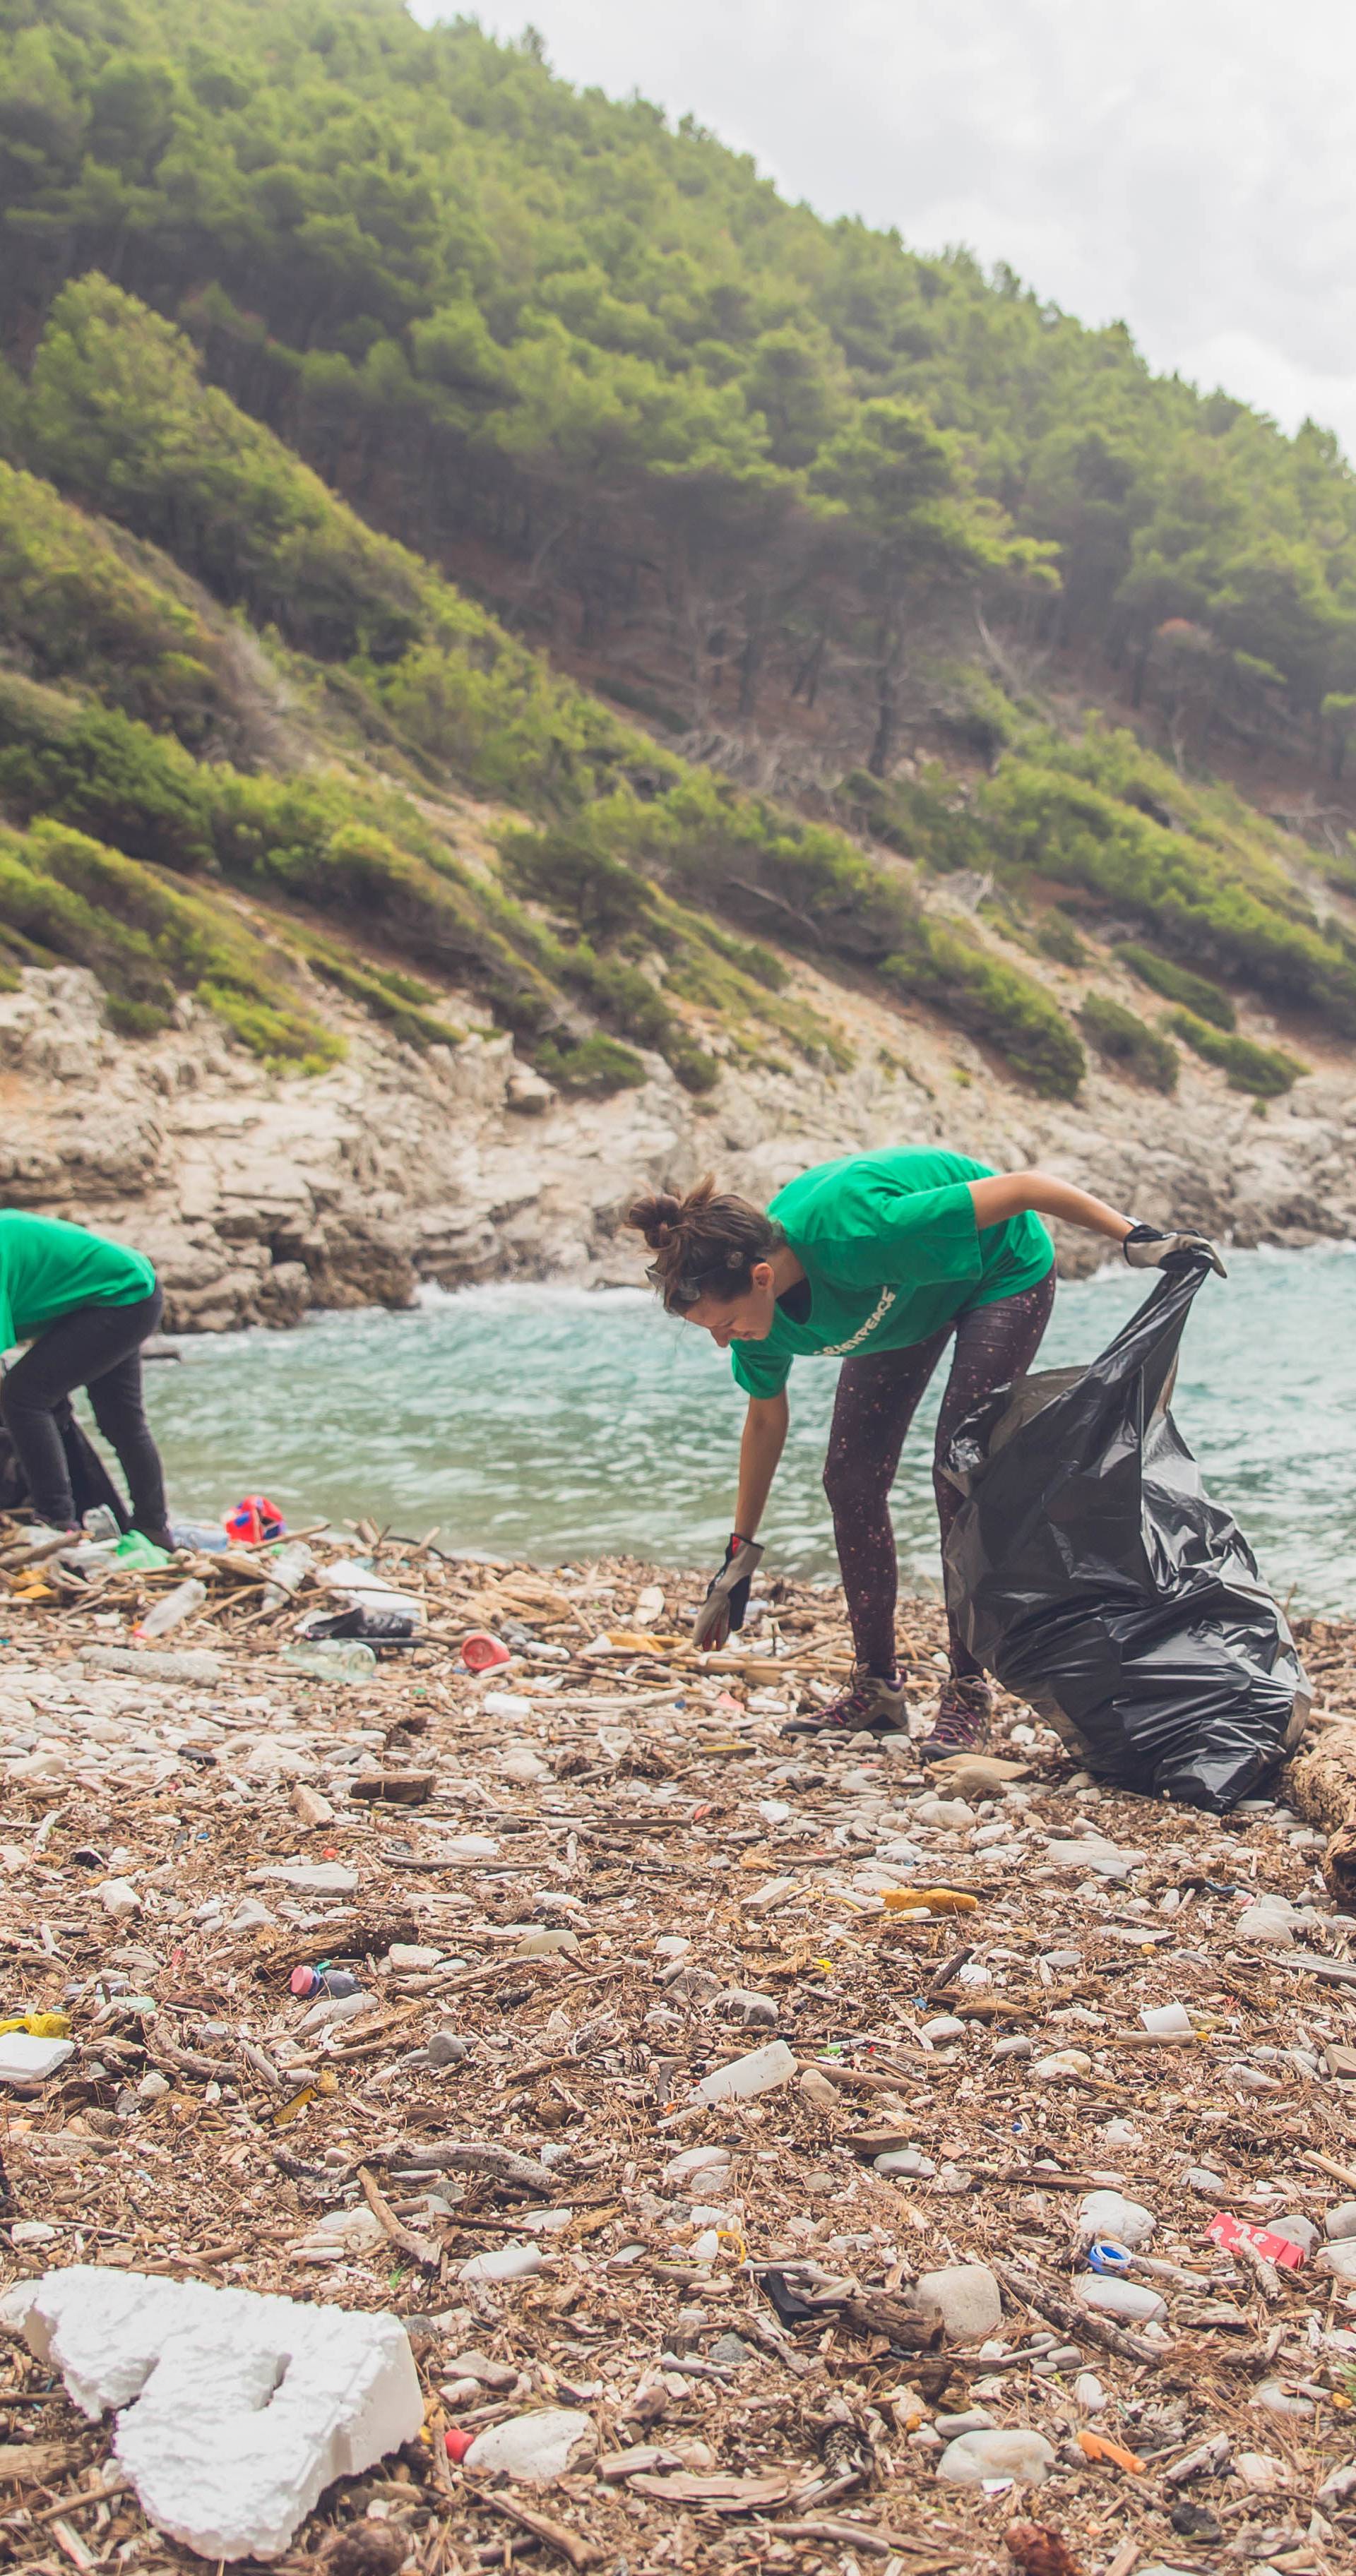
(480, 1651)
(1166, 2018)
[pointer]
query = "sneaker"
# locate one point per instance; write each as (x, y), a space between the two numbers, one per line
(869, 1705)
(962, 1721)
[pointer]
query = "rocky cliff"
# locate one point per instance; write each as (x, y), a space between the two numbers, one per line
(260, 1196)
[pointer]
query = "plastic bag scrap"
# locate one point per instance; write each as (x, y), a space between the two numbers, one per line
(1089, 1571)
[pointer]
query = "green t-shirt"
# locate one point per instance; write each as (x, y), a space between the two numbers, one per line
(47, 1269)
(892, 1254)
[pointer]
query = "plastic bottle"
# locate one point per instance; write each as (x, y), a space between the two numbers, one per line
(172, 1611)
(288, 1568)
(332, 1660)
(336, 1982)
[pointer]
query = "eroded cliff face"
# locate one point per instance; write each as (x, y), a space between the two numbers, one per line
(258, 1196)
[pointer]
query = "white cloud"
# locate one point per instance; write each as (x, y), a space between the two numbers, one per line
(1184, 165)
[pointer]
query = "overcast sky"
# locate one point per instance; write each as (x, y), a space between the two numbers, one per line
(1188, 166)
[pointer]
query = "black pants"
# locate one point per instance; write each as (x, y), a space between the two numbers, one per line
(98, 1347)
(877, 1398)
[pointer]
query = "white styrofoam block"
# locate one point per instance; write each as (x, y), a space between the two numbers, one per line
(25, 2060)
(239, 2409)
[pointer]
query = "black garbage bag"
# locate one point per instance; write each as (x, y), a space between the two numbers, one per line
(1089, 1571)
(91, 1483)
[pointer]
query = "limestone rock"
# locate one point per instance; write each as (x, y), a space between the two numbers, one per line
(965, 2296)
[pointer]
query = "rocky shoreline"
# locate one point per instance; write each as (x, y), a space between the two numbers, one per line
(261, 1195)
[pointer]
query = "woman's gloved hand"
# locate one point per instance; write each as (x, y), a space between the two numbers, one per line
(1148, 1247)
(727, 1596)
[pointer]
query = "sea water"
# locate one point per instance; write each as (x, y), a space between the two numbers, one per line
(560, 1423)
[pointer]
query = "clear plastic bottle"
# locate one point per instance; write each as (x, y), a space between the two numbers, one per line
(171, 1612)
(331, 1659)
(288, 1568)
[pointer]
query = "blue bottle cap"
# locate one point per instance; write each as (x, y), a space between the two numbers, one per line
(1107, 2256)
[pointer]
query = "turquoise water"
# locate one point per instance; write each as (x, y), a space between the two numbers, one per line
(558, 1424)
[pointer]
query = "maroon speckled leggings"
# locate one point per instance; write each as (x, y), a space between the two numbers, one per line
(878, 1396)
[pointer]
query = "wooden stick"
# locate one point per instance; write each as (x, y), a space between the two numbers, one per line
(420, 2249)
(863, 2534)
(557, 2535)
(1325, 2164)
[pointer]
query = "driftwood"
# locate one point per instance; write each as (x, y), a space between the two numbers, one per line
(506, 2170)
(1320, 1784)
(1072, 2317)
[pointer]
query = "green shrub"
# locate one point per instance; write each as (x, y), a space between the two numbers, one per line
(144, 940)
(924, 818)
(1177, 984)
(97, 769)
(1264, 1071)
(388, 998)
(1127, 1041)
(1254, 923)
(72, 606)
(696, 1070)
(572, 872)
(594, 1065)
(1004, 1009)
(1056, 937)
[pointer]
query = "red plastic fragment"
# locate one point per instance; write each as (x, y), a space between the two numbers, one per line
(1228, 2231)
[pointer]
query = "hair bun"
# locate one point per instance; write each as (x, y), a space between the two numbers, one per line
(659, 1218)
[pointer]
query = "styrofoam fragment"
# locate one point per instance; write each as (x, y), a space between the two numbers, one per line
(239, 2410)
(25, 2060)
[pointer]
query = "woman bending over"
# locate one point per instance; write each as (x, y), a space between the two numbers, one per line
(877, 1260)
(84, 1306)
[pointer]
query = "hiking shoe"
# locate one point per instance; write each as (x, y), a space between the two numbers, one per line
(869, 1705)
(962, 1721)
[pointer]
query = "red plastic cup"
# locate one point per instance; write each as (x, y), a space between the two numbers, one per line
(480, 1652)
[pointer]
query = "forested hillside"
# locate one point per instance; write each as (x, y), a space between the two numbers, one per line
(308, 310)
(601, 366)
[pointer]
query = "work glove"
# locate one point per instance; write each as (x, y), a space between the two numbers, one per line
(1147, 1247)
(727, 1597)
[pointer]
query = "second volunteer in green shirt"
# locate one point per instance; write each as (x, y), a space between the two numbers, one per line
(85, 1307)
(876, 1260)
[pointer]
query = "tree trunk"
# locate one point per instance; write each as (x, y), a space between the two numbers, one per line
(887, 705)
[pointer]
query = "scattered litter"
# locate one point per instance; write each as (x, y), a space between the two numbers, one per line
(728, 2096)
